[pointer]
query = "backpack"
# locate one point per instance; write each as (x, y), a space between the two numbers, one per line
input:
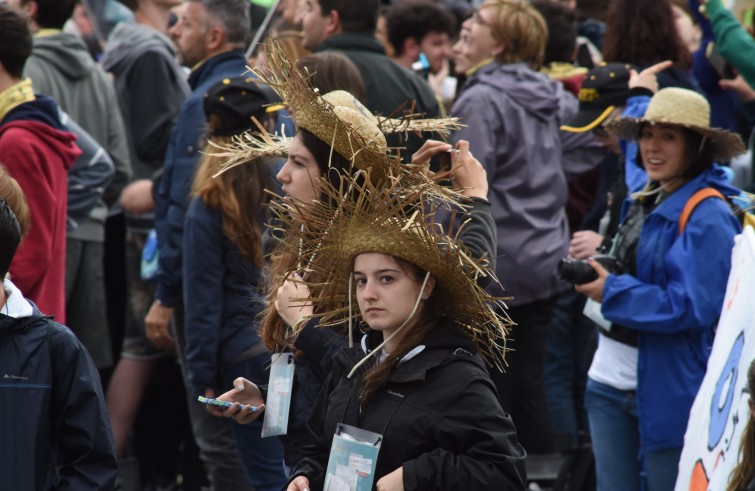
(740, 206)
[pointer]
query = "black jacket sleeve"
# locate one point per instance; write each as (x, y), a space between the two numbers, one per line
(479, 234)
(151, 125)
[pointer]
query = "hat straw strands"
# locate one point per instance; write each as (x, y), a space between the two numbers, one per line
(336, 118)
(686, 108)
(389, 217)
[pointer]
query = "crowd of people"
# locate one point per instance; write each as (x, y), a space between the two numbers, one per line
(394, 245)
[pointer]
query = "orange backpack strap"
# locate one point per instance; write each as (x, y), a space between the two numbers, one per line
(692, 203)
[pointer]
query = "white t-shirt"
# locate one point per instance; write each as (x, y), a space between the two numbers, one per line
(614, 364)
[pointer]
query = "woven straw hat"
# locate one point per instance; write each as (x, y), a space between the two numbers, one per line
(336, 118)
(399, 221)
(685, 108)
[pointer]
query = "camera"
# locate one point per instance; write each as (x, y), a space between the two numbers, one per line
(579, 271)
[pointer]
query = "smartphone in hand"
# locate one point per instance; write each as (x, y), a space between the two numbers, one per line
(225, 404)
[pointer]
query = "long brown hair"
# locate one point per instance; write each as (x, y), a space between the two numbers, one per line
(239, 195)
(274, 331)
(409, 338)
(631, 38)
(744, 472)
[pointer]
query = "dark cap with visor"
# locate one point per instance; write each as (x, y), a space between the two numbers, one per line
(604, 88)
(230, 104)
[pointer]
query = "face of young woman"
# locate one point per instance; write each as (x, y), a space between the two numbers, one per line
(662, 150)
(476, 42)
(299, 174)
(385, 292)
(688, 31)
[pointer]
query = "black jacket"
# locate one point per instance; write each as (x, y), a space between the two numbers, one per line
(52, 410)
(439, 416)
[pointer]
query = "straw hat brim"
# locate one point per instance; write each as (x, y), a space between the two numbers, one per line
(725, 143)
(396, 220)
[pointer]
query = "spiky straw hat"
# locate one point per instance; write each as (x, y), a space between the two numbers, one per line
(398, 220)
(686, 108)
(337, 118)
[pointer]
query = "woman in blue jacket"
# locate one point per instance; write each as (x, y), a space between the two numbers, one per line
(663, 308)
(222, 268)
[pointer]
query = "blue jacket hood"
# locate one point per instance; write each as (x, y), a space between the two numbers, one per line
(43, 110)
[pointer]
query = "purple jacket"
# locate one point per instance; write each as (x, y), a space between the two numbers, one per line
(513, 116)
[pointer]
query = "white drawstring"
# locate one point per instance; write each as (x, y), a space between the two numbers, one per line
(380, 346)
(351, 336)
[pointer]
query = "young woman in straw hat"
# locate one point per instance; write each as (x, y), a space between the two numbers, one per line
(417, 377)
(336, 136)
(662, 307)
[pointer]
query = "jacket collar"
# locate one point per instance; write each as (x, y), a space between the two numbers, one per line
(208, 66)
(352, 41)
(443, 344)
(671, 207)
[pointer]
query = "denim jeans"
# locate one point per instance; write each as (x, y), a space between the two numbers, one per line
(568, 346)
(615, 432)
(661, 469)
(262, 457)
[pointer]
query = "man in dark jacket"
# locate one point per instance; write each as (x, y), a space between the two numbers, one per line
(210, 38)
(56, 433)
(349, 26)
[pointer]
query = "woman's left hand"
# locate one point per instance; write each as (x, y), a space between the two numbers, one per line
(468, 173)
(392, 482)
(293, 311)
(594, 289)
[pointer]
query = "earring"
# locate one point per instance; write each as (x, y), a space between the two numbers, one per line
(425, 298)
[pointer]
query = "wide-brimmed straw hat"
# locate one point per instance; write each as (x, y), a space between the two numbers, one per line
(398, 220)
(336, 118)
(686, 108)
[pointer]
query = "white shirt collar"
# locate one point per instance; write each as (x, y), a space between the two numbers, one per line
(411, 354)
(16, 305)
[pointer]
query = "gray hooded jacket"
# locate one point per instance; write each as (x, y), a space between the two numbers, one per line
(513, 116)
(61, 67)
